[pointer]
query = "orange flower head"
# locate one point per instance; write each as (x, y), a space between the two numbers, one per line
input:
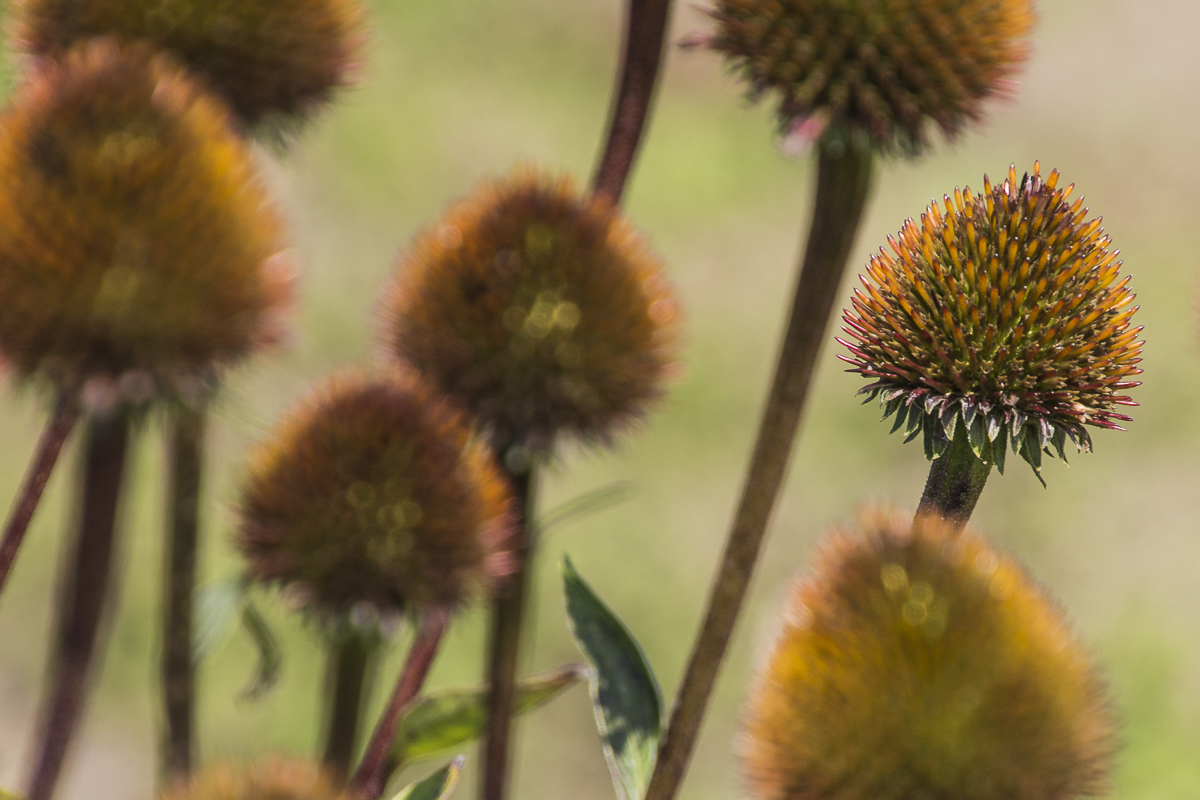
(274, 778)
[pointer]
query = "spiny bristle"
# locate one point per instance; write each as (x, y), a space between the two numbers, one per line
(373, 492)
(914, 663)
(537, 308)
(137, 245)
(1004, 313)
(274, 778)
(269, 60)
(890, 69)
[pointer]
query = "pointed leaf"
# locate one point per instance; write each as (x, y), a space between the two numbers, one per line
(976, 436)
(915, 419)
(586, 503)
(998, 450)
(270, 656)
(437, 786)
(970, 408)
(1059, 441)
(217, 606)
(454, 717)
(950, 416)
(901, 416)
(624, 692)
(993, 427)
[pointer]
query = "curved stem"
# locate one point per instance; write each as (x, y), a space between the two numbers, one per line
(349, 667)
(84, 596)
(504, 646)
(54, 435)
(956, 480)
(645, 32)
(185, 462)
(843, 180)
(368, 780)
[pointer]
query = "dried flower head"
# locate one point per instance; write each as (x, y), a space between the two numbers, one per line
(1003, 316)
(373, 492)
(137, 246)
(274, 778)
(887, 69)
(917, 664)
(540, 309)
(267, 59)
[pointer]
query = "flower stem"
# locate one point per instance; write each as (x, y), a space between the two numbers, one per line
(843, 182)
(956, 480)
(370, 777)
(84, 596)
(504, 643)
(185, 461)
(645, 32)
(54, 435)
(350, 660)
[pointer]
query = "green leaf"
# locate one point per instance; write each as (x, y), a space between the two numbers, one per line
(270, 656)
(454, 717)
(625, 694)
(437, 786)
(586, 503)
(217, 606)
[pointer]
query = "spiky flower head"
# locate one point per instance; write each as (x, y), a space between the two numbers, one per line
(373, 492)
(269, 60)
(273, 778)
(137, 246)
(889, 69)
(1004, 316)
(538, 308)
(916, 664)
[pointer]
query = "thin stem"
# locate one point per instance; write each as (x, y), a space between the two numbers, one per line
(956, 480)
(57, 429)
(368, 780)
(504, 645)
(84, 595)
(350, 660)
(185, 472)
(843, 180)
(645, 32)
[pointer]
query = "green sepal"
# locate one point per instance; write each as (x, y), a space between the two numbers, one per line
(270, 654)
(976, 435)
(437, 786)
(901, 417)
(625, 694)
(999, 448)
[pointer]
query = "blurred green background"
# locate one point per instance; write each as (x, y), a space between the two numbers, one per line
(453, 90)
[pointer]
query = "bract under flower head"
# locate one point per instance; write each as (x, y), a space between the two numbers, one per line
(914, 663)
(274, 778)
(373, 492)
(267, 59)
(1004, 315)
(539, 309)
(888, 68)
(137, 246)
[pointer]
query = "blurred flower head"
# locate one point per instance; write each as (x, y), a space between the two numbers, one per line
(1003, 319)
(889, 70)
(273, 778)
(269, 60)
(138, 249)
(914, 663)
(373, 493)
(540, 309)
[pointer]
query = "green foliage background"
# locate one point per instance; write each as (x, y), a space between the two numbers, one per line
(456, 89)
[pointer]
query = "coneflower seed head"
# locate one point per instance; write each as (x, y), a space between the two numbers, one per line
(915, 664)
(274, 778)
(1005, 314)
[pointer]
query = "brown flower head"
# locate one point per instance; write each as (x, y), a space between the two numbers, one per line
(915, 664)
(1004, 316)
(271, 61)
(275, 778)
(539, 309)
(136, 243)
(888, 68)
(374, 492)
(267, 59)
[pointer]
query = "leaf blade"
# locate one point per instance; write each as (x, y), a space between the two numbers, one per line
(437, 786)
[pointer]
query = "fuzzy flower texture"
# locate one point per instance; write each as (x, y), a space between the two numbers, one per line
(1003, 319)
(886, 68)
(273, 778)
(538, 309)
(373, 492)
(137, 244)
(918, 665)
